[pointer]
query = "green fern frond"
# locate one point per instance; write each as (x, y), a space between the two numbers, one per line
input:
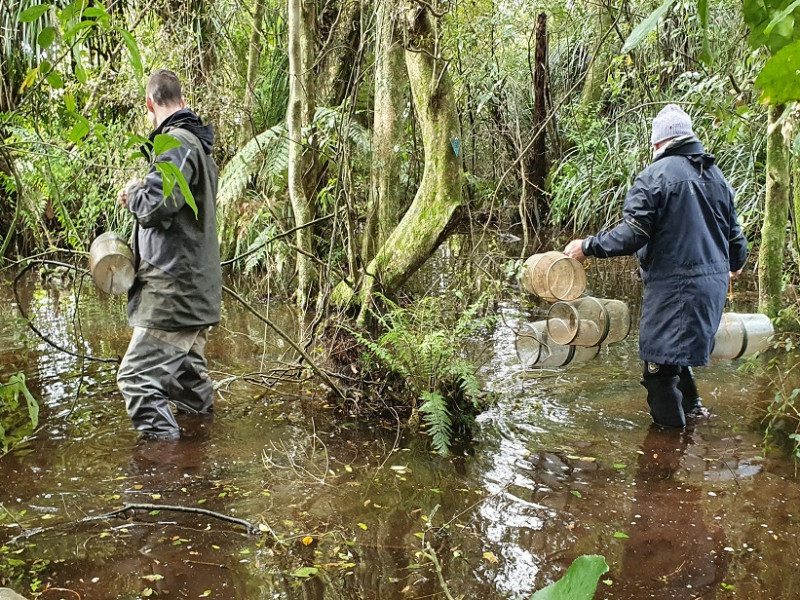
(437, 419)
(267, 153)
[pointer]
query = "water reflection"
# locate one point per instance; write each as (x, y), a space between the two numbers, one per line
(674, 548)
(562, 461)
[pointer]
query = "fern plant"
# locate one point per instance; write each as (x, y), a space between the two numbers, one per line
(425, 346)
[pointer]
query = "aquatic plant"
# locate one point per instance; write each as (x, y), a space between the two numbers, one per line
(17, 420)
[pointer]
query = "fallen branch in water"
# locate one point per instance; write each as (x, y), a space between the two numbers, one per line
(251, 529)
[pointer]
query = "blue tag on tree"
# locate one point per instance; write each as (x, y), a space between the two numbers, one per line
(456, 144)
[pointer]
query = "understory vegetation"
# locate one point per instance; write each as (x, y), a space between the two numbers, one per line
(417, 120)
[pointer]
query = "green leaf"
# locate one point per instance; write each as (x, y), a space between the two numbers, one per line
(69, 102)
(46, 37)
(55, 80)
(579, 582)
(620, 536)
(576, 493)
(305, 572)
(778, 81)
(777, 19)
(80, 72)
(170, 175)
(96, 12)
(645, 27)
(133, 51)
(702, 12)
(80, 130)
(34, 12)
(163, 142)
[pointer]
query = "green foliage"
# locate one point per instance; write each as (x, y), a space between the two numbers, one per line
(778, 79)
(17, 418)
(579, 582)
(424, 345)
(645, 27)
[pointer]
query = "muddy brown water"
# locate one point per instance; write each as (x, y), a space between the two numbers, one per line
(564, 463)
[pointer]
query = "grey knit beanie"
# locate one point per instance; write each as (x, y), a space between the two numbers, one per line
(671, 122)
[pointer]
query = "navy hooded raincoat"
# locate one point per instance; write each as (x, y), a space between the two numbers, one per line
(680, 220)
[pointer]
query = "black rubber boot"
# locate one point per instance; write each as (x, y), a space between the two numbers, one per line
(663, 396)
(692, 406)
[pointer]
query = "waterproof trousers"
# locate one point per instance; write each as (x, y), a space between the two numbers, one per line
(162, 367)
(671, 393)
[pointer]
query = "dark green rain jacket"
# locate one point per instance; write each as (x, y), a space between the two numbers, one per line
(178, 278)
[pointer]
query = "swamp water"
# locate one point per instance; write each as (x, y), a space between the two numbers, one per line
(563, 464)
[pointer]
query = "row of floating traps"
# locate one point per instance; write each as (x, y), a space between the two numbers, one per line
(576, 325)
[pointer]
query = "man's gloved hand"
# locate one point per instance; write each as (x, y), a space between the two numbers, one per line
(575, 250)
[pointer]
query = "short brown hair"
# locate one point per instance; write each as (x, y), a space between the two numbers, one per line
(164, 88)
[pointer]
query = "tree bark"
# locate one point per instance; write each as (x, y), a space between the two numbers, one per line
(537, 171)
(300, 115)
(389, 102)
(425, 225)
(253, 60)
(597, 70)
(776, 213)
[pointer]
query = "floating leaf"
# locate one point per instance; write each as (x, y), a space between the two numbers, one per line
(576, 493)
(579, 582)
(620, 466)
(308, 540)
(305, 572)
(491, 557)
(620, 536)
(153, 578)
(363, 526)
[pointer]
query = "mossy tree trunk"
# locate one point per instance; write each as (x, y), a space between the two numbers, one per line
(776, 213)
(597, 70)
(425, 225)
(300, 116)
(387, 133)
(253, 62)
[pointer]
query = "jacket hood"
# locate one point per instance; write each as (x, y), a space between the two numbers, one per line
(692, 149)
(186, 119)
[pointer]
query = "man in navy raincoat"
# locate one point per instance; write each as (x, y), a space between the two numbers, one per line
(680, 220)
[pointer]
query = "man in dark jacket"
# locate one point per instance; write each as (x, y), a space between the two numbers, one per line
(177, 293)
(680, 220)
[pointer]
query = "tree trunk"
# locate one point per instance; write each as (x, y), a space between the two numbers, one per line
(776, 212)
(425, 224)
(538, 160)
(300, 115)
(597, 70)
(253, 61)
(389, 102)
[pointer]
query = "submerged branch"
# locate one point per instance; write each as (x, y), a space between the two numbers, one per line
(251, 529)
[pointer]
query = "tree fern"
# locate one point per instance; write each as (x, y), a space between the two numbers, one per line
(268, 151)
